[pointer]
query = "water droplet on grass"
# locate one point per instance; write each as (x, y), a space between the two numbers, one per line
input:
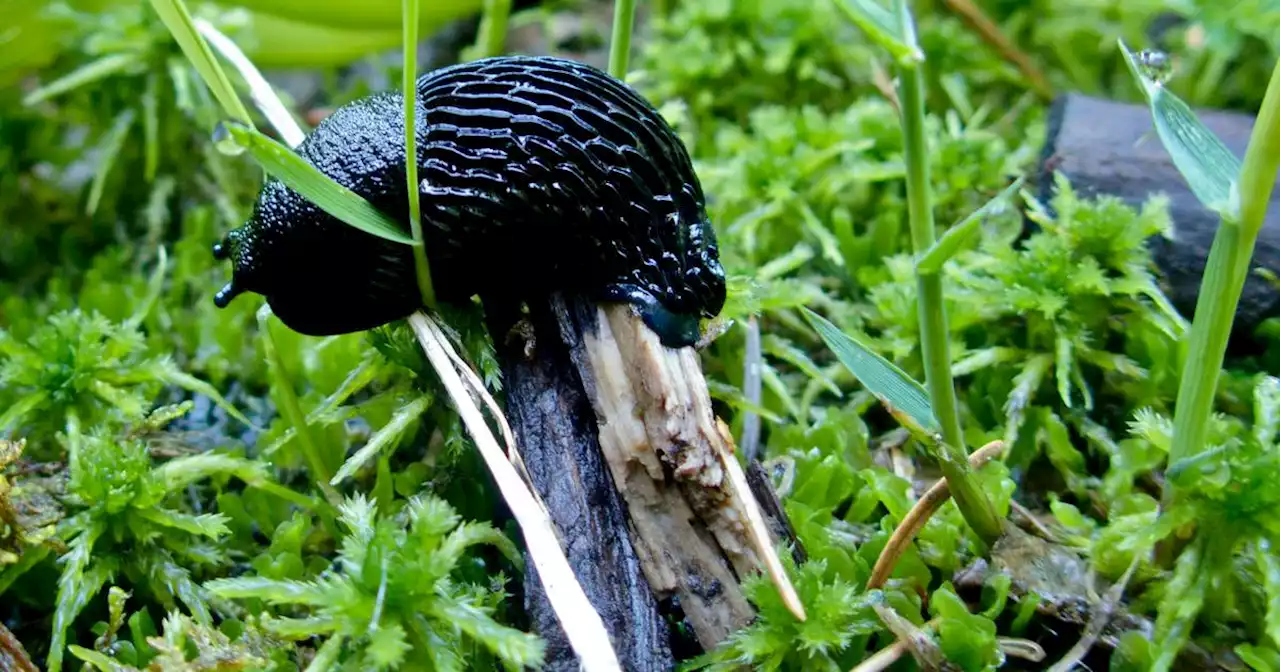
(1155, 65)
(223, 141)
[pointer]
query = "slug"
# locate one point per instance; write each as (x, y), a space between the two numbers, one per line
(537, 175)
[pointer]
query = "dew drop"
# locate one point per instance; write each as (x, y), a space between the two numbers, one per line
(1155, 65)
(223, 141)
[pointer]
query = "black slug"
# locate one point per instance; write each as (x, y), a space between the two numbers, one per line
(537, 175)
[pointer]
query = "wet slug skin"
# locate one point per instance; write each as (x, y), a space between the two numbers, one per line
(537, 175)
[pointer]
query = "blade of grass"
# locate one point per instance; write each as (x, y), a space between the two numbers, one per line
(1239, 192)
(1210, 169)
(890, 384)
(895, 31)
(934, 332)
(950, 243)
(110, 149)
(260, 92)
(312, 184)
(177, 18)
(579, 619)
(90, 72)
(880, 24)
(624, 18)
(292, 409)
(421, 268)
(492, 37)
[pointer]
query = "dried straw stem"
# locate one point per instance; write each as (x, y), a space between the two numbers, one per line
(582, 624)
(919, 514)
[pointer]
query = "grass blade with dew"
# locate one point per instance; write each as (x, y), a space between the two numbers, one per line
(955, 237)
(410, 94)
(177, 18)
(308, 181)
(890, 384)
(263, 96)
(1210, 169)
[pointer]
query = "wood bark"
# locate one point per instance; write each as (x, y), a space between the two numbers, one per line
(555, 431)
(611, 409)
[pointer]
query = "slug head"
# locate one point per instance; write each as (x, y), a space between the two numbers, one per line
(320, 276)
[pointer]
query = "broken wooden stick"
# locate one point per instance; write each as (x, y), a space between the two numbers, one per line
(556, 429)
(697, 528)
(582, 624)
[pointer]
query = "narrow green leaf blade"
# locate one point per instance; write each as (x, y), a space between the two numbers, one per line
(881, 26)
(111, 145)
(891, 385)
(178, 20)
(389, 435)
(314, 185)
(950, 243)
(1210, 169)
(89, 72)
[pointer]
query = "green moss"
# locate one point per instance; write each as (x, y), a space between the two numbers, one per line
(1062, 344)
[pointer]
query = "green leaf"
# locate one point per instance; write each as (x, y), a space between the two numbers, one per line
(101, 662)
(1269, 563)
(959, 234)
(1210, 169)
(212, 525)
(891, 385)
(110, 150)
(880, 24)
(388, 436)
(968, 640)
(177, 18)
(409, 96)
(315, 186)
(167, 372)
(272, 591)
(89, 72)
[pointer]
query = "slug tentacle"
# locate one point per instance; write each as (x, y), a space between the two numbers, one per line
(536, 175)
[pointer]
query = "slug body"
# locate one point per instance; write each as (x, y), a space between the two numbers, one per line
(536, 175)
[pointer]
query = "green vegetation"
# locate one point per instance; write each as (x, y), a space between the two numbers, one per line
(274, 501)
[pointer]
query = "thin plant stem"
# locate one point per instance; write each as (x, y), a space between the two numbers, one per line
(421, 268)
(924, 508)
(624, 19)
(292, 410)
(953, 461)
(973, 15)
(492, 40)
(1224, 278)
(751, 389)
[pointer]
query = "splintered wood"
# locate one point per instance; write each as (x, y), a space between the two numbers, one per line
(672, 461)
